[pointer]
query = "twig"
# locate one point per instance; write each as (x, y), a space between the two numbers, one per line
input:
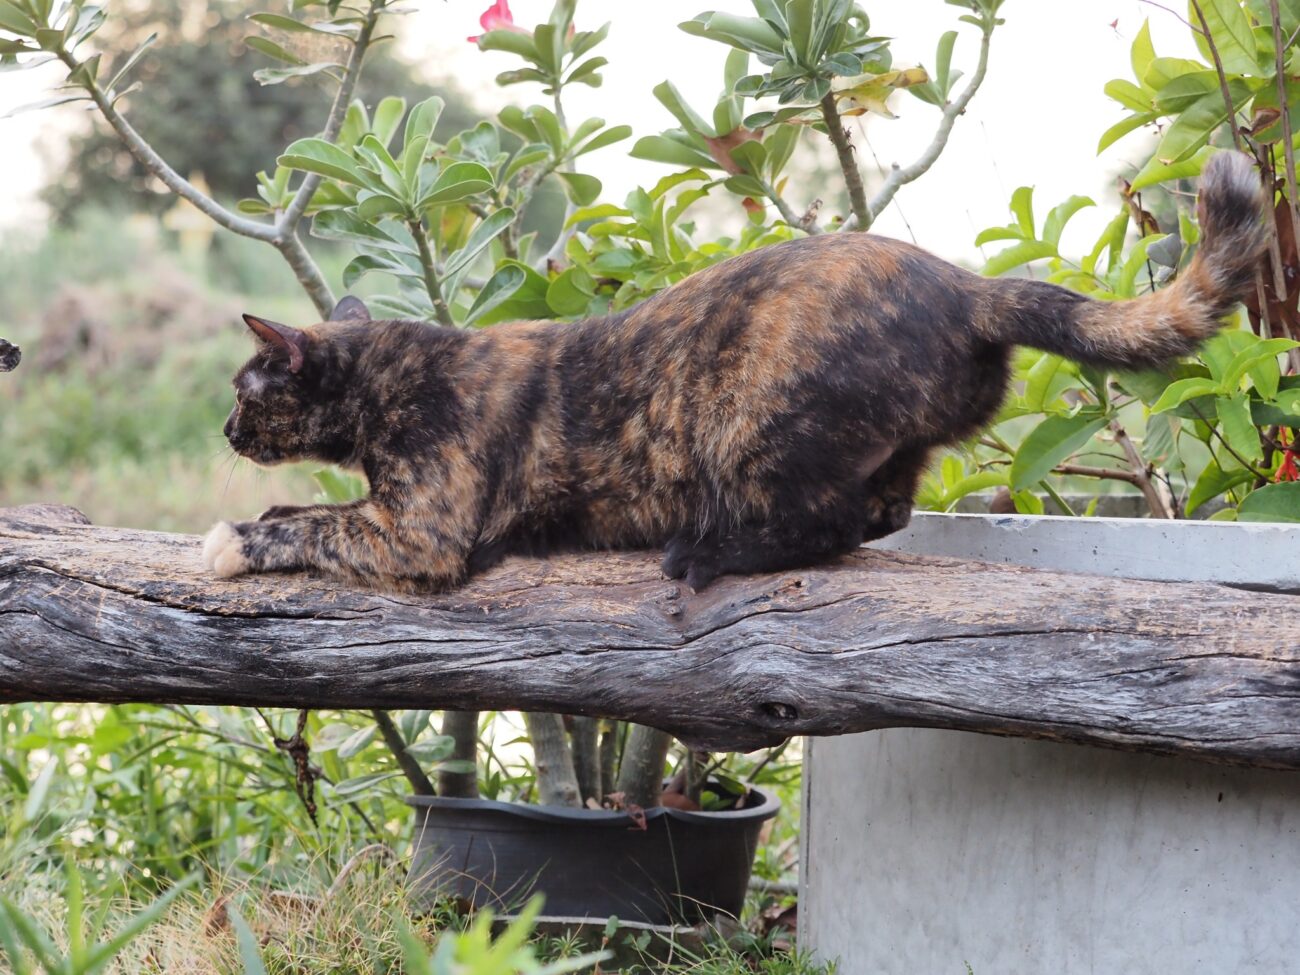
(428, 266)
(374, 851)
(900, 176)
(1141, 472)
(1104, 473)
(1171, 10)
(1288, 148)
(848, 165)
(420, 784)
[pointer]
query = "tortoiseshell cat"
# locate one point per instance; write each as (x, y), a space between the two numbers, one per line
(766, 413)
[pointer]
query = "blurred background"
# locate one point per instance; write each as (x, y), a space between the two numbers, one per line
(127, 303)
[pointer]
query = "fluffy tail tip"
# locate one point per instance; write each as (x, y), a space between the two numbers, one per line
(1231, 207)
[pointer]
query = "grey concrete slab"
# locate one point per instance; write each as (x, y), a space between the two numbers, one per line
(926, 851)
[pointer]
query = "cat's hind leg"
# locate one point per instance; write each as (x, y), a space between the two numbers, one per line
(890, 490)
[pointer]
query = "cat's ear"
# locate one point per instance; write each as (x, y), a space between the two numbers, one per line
(291, 340)
(350, 309)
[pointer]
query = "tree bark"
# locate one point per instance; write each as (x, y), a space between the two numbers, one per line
(873, 640)
(585, 738)
(557, 780)
(641, 776)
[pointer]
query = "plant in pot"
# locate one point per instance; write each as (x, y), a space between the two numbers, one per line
(450, 225)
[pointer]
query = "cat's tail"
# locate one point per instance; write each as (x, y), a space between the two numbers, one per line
(1156, 327)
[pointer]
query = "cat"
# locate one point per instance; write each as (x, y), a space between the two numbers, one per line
(767, 413)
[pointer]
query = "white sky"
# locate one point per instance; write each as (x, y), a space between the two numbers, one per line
(1036, 121)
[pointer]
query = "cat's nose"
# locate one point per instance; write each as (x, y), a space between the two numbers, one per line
(229, 428)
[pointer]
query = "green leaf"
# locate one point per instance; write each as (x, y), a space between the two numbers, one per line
(1195, 124)
(17, 21)
(992, 234)
(499, 289)
(510, 41)
(658, 148)
(611, 135)
(422, 120)
(1050, 443)
(1237, 427)
(1213, 482)
(1250, 355)
(341, 225)
(38, 792)
(1230, 27)
(457, 182)
(1016, 255)
(1154, 171)
(1060, 216)
(132, 59)
(1128, 94)
(581, 189)
(748, 33)
(250, 954)
(1273, 502)
(479, 238)
(388, 114)
(273, 50)
(1142, 53)
(323, 158)
(1180, 392)
(670, 98)
(571, 292)
(1123, 128)
(275, 76)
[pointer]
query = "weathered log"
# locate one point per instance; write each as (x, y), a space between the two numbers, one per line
(874, 640)
(10, 355)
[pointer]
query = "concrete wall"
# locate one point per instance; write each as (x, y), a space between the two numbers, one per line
(925, 851)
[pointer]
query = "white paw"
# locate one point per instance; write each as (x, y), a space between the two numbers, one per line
(223, 551)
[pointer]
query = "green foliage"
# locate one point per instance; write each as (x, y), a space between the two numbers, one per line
(1212, 427)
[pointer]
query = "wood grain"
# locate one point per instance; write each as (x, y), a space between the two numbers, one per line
(874, 640)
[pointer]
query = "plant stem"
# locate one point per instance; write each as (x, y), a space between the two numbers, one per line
(848, 165)
(608, 753)
(420, 784)
(1141, 472)
(641, 778)
(900, 176)
(586, 757)
(557, 780)
(440, 309)
(462, 728)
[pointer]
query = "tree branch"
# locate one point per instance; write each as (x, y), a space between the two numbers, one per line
(1141, 472)
(848, 165)
(420, 784)
(147, 157)
(288, 221)
(900, 176)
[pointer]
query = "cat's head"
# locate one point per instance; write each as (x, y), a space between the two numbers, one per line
(292, 397)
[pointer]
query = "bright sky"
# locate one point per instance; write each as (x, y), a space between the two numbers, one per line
(1036, 120)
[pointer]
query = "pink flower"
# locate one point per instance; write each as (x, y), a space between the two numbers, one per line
(498, 17)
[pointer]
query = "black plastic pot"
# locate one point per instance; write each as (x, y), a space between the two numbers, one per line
(681, 869)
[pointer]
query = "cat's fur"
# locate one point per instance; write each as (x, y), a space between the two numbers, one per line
(766, 413)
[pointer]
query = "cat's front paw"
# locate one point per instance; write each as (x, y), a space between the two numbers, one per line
(223, 551)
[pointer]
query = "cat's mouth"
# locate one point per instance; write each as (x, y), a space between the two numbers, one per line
(261, 456)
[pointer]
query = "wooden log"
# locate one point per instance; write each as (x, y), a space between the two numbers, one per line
(874, 640)
(10, 355)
